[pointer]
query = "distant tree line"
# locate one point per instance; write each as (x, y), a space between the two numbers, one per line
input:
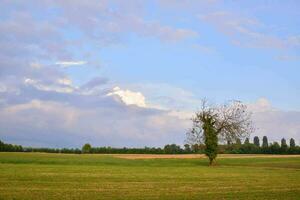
(230, 148)
(10, 147)
(253, 148)
(4, 147)
(261, 148)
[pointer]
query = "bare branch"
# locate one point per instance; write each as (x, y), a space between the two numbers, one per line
(231, 121)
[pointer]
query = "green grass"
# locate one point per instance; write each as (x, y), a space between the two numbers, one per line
(60, 176)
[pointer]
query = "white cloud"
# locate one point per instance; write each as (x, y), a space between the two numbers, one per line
(30, 81)
(62, 85)
(65, 81)
(261, 105)
(70, 63)
(168, 97)
(129, 97)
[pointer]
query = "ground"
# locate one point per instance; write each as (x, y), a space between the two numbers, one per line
(62, 176)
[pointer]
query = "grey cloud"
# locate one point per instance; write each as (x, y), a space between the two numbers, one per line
(42, 117)
(248, 32)
(97, 81)
(101, 21)
(24, 35)
(242, 31)
(273, 122)
(63, 124)
(278, 124)
(190, 6)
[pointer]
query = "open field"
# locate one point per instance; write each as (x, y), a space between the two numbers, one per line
(183, 156)
(62, 176)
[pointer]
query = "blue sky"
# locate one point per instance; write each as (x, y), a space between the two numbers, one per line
(151, 60)
(196, 63)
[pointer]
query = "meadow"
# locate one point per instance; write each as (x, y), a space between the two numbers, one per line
(88, 176)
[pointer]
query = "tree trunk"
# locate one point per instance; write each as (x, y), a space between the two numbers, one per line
(211, 161)
(211, 141)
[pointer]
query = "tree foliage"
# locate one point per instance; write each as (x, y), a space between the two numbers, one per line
(172, 149)
(86, 148)
(247, 141)
(256, 141)
(284, 146)
(292, 143)
(211, 124)
(265, 142)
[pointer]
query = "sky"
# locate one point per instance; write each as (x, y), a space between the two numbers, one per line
(132, 73)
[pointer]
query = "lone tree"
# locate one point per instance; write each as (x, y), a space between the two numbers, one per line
(212, 123)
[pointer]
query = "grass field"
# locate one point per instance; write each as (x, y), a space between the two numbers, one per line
(61, 176)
